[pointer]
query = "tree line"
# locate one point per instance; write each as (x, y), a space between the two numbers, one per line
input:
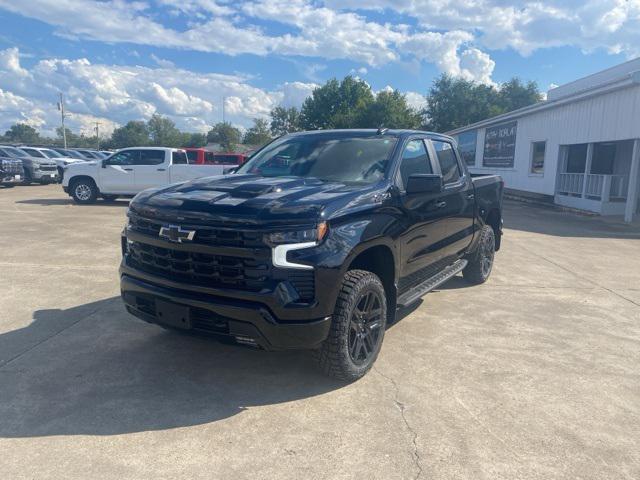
(451, 102)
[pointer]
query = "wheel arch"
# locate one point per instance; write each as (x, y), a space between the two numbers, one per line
(379, 259)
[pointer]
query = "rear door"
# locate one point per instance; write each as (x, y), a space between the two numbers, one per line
(151, 170)
(116, 174)
(457, 199)
(423, 219)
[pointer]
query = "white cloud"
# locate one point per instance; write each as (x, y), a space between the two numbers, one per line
(162, 62)
(115, 94)
(312, 30)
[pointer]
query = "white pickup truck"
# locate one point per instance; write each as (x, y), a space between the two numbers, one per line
(130, 171)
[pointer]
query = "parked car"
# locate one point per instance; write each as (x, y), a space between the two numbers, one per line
(130, 171)
(37, 168)
(53, 154)
(90, 154)
(313, 243)
(200, 156)
(11, 171)
(69, 153)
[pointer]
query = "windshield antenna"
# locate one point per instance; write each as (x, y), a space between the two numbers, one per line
(382, 130)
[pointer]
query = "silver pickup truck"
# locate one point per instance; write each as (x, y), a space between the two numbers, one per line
(36, 169)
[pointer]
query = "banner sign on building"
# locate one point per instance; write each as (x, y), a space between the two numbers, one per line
(467, 146)
(500, 146)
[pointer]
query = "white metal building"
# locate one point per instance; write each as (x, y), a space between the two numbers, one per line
(580, 148)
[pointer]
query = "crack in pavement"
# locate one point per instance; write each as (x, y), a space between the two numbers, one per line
(415, 454)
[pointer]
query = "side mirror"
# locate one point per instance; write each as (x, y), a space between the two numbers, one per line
(424, 183)
(104, 163)
(228, 171)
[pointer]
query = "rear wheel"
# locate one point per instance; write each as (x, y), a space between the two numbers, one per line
(357, 327)
(84, 191)
(480, 263)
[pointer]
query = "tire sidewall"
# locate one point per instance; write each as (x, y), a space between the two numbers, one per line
(91, 185)
(368, 283)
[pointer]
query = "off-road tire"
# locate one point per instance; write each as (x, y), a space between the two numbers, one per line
(480, 260)
(84, 191)
(333, 357)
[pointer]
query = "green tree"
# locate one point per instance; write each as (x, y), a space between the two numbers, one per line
(337, 104)
(258, 134)
(134, 134)
(22, 133)
(455, 102)
(284, 120)
(226, 135)
(163, 132)
(195, 140)
(390, 109)
(515, 94)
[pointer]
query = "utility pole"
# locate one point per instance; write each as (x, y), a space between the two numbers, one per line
(224, 100)
(98, 135)
(62, 115)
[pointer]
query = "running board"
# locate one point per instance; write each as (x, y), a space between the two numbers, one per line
(415, 293)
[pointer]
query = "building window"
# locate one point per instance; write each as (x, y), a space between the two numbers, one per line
(577, 158)
(538, 150)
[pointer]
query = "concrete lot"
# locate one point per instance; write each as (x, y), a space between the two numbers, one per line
(532, 375)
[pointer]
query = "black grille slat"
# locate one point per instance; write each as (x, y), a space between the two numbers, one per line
(199, 268)
(205, 235)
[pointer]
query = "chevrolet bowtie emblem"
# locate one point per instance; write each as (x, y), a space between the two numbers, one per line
(175, 233)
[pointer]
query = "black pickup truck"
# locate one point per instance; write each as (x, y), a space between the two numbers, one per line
(313, 243)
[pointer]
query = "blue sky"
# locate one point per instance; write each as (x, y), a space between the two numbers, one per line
(116, 60)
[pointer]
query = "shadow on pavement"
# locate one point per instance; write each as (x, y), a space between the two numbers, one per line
(551, 221)
(96, 370)
(69, 201)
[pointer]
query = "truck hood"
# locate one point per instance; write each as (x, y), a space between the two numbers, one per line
(253, 199)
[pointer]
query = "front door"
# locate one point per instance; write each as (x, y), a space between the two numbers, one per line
(116, 174)
(424, 219)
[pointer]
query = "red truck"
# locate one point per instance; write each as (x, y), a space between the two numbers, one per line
(200, 156)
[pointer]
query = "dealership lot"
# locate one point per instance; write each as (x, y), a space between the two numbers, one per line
(532, 375)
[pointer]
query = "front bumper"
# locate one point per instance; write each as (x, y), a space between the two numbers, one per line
(10, 179)
(45, 176)
(240, 321)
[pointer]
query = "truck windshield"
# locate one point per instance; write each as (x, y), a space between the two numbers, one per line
(14, 152)
(330, 157)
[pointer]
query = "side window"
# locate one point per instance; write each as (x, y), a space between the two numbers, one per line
(151, 157)
(192, 155)
(226, 159)
(130, 157)
(33, 153)
(414, 160)
(179, 158)
(448, 161)
(209, 157)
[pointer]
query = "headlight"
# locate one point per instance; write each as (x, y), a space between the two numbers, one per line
(298, 236)
(285, 242)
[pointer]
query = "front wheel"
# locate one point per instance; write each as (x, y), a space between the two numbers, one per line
(480, 260)
(84, 191)
(357, 327)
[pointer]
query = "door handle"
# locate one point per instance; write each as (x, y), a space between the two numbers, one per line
(128, 169)
(162, 169)
(471, 196)
(441, 204)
